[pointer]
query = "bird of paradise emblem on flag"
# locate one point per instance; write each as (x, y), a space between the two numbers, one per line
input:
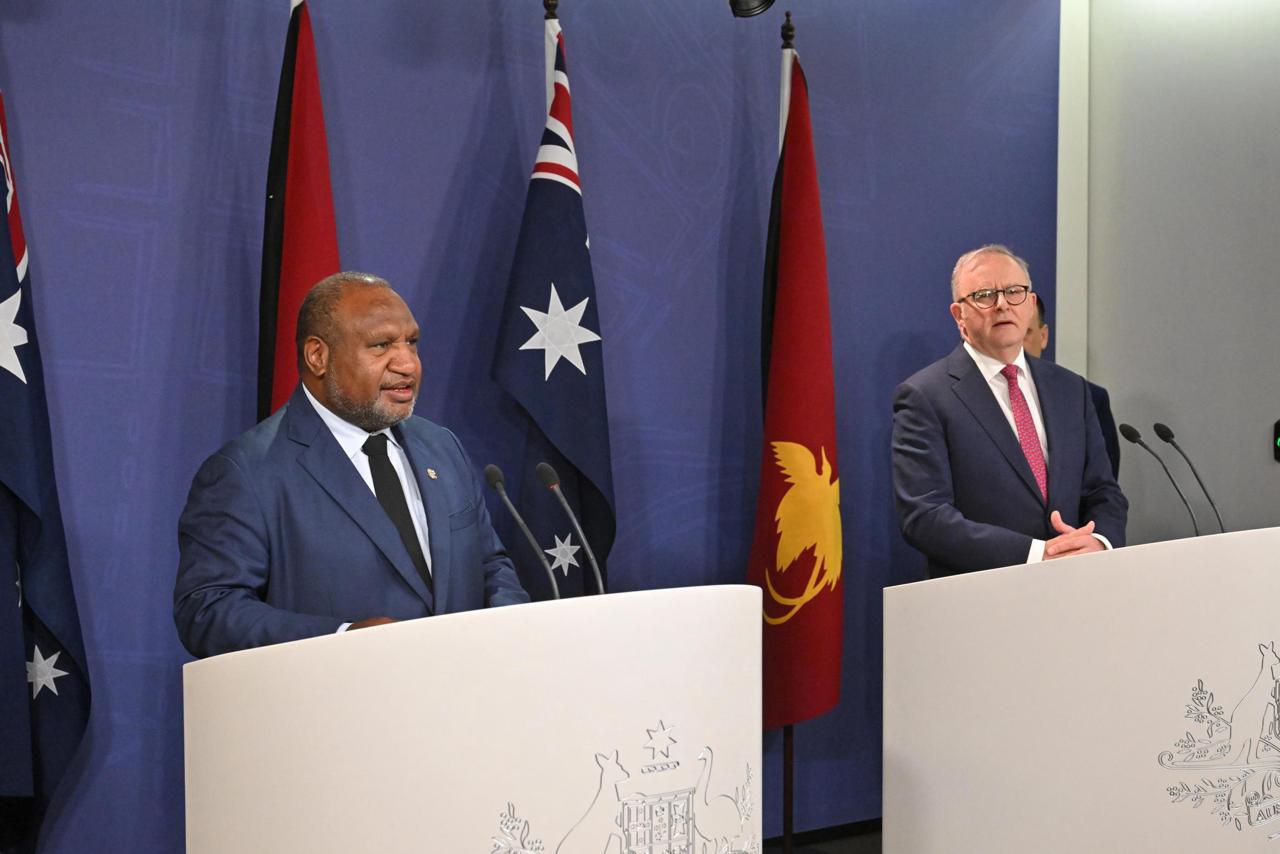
(808, 518)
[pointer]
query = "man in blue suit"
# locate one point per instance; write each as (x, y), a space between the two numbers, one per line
(343, 509)
(998, 458)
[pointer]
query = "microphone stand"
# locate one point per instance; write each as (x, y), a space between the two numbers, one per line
(1167, 435)
(493, 475)
(1131, 433)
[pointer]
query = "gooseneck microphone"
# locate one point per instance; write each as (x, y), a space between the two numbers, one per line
(493, 475)
(551, 481)
(1166, 435)
(1131, 434)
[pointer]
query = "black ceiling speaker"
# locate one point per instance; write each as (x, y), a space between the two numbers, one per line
(749, 8)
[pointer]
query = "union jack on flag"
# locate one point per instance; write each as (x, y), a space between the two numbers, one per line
(557, 159)
(550, 357)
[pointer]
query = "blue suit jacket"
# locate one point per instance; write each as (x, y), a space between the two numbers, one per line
(282, 539)
(965, 493)
(1102, 405)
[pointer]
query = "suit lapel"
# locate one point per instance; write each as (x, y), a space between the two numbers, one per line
(977, 396)
(323, 460)
(435, 502)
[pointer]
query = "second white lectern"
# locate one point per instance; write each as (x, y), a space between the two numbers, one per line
(1122, 701)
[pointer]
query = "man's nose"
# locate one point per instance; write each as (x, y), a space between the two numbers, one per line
(404, 359)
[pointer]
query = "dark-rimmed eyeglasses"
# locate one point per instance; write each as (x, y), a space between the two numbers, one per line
(988, 297)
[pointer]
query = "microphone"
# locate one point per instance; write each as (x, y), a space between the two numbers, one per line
(493, 475)
(551, 481)
(1131, 434)
(1166, 435)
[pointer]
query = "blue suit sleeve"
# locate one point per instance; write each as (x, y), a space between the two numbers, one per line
(224, 558)
(925, 499)
(501, 582)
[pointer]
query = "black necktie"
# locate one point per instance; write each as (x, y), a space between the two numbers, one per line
(386, 485)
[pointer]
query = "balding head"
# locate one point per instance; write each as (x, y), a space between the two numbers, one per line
(316, 315)
(969, 257)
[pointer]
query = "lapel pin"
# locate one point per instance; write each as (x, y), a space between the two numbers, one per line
(431, 473)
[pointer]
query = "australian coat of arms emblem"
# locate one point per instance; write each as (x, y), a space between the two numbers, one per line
(667, 807)
(1233, 757)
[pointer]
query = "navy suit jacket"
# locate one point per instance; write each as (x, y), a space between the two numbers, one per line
(1102, 405)
(282, 539)
(965, 493)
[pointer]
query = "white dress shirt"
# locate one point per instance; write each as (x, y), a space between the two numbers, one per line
(990, 369)
(351, 439)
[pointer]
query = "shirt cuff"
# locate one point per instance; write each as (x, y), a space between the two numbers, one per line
(1036, 553)
(1105, 542)
(342, 628)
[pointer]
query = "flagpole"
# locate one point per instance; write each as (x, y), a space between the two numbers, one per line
(788, 730)
(788, 59)
(549, 46)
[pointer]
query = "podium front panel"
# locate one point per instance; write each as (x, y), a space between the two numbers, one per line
(1122, 701)
(628, 722)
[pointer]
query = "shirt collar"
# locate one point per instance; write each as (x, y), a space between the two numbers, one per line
(350, 437)
(991, 368)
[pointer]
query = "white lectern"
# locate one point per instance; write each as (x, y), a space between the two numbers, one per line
(1123, 701)
(628, 722)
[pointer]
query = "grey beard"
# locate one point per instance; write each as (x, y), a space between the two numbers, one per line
(367, 416)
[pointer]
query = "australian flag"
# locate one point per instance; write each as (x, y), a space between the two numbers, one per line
(44, 683)
(550, 360)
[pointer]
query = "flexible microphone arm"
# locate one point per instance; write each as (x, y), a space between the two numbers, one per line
(551, 481)
(1167, 435)
(1131, 434)
(493, 475)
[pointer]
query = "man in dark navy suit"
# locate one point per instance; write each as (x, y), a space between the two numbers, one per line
(1036, 340)
(998, 458)
(343, 509)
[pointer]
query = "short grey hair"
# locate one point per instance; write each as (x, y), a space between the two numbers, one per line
(316, 314)
(989, 249)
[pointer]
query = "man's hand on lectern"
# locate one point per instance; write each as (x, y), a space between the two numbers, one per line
(372, 621)
(1070, 541)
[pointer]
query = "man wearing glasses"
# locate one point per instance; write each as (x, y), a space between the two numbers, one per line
(998, 458)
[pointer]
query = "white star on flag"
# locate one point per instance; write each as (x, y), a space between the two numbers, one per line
(12, 336)
(559, 333)
(41, 672)
(563, 554)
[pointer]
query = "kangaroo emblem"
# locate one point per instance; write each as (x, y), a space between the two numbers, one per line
(1254, 717)
(596, 830)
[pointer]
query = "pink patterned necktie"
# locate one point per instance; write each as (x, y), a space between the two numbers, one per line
(1026, 430)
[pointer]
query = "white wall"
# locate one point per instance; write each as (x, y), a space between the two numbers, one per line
(1183, 245)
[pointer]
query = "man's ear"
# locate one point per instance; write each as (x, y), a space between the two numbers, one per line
(315, 355)
(956, 310)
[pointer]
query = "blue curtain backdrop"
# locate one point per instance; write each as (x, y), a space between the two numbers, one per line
(140, 134)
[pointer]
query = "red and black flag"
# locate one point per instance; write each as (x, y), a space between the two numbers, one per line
(300, 239)
(796, 554)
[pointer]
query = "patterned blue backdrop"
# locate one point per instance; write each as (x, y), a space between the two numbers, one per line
(140, 133)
